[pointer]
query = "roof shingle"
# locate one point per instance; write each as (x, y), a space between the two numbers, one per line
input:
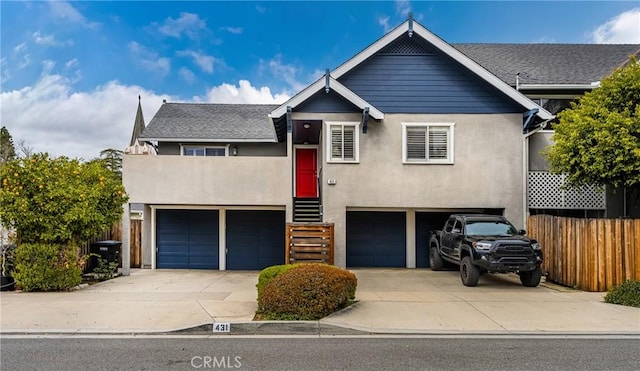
(198, 121)
(549, 63)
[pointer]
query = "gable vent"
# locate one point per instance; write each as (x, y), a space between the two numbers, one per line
(407, 46)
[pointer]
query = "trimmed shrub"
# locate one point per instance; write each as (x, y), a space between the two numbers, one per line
(627, 293)
(47, 267)
(269, 273)
(307, 292)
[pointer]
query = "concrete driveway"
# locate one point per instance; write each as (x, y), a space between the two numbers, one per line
(389, 301)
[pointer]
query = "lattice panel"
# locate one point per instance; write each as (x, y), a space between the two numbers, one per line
(406, 45)
(545, 192)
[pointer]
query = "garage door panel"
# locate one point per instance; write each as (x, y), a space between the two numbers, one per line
(376, 239)
(187, 239)
(255, 238)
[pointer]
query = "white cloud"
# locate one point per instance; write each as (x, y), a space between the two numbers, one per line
(384, 22)
(188, 23)
(65, 11)
(50, 40)
(234, 30)
(6, 74)
(26, 61)
(187, 75)
(244, 92)
(71, 63)
(47, 66)
(20, 48)
(205, 62)
(285, 72)
(622, 29)
(261, 9)
(149, 59)
(51, 117)
(403, 7)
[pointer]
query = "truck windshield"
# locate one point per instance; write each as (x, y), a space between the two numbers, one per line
(490, 228)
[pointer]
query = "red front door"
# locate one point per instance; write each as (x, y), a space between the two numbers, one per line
(306, 172)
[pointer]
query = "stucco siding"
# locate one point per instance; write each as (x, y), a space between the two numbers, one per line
(178, 180)
(538, 142)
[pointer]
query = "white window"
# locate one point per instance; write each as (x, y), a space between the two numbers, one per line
(204, 150)
(343, 139)
(427, 143)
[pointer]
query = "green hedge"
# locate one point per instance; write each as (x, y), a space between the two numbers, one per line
(627, 293)
(46, 267)
(269, 273)
(307, 292)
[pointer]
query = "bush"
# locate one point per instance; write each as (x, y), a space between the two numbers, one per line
(627, 293)
(46, 267)
(307, 292)
(269, 273)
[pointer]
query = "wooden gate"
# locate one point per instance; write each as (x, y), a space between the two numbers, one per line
(135, 243)
(309, 243)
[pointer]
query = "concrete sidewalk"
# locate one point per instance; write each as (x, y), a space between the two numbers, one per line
(403, 301)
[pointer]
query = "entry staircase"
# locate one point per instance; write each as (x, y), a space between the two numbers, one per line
(307, 210)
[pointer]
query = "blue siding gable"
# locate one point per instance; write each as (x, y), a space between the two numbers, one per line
(411, 76)
(331, 102)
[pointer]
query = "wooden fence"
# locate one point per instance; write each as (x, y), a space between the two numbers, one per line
(115, 233)
(590, 254)
(309, 243)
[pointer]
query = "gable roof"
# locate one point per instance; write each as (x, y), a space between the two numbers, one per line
(200, 122)
(334, 85)
(416, 29)
(550, 64)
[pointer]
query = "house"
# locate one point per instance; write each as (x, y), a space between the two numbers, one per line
(384, 147)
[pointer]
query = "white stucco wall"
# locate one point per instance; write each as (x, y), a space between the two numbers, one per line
(179, 180)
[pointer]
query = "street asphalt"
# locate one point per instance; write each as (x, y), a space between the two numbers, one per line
(389, 301)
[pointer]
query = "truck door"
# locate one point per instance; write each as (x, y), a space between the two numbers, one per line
(456, 239)
(445, 240)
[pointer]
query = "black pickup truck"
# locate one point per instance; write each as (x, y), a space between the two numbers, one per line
(485, 243)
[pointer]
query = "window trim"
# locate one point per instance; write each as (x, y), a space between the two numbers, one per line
(356, 141)
(450, 143)
(184, 146)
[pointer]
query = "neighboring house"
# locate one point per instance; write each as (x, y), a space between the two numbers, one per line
(554, 75)
(385, 147)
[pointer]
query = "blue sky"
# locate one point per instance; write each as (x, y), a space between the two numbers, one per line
(72, 71)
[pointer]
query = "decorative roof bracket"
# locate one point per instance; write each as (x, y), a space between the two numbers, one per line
(289, 121)
(326, 81)
(410, 24)
(528, 118)
(365, 119)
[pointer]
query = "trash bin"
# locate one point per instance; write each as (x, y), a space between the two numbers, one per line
(108, 250)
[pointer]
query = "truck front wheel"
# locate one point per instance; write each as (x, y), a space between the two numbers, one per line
(435, 260)
(469, 273)
(531, 278)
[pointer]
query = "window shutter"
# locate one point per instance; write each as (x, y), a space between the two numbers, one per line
(416, 144)
(349, 143)
(336, 143)
(438, 143)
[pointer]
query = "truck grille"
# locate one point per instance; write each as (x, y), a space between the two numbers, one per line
(513, 250)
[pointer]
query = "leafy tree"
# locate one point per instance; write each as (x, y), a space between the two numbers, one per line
(113, 160)
(597, 140)
(59, 200)
(7, 149)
